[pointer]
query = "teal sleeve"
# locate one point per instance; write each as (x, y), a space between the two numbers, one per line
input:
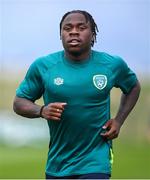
(125, 78)
(32, 86)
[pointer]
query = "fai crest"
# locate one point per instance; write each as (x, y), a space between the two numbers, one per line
(100, 81)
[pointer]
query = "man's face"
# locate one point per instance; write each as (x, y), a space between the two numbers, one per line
(76, 34)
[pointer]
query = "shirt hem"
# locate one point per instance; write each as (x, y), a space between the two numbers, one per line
(77, 173)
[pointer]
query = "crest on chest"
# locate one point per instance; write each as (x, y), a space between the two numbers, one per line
(100, 81)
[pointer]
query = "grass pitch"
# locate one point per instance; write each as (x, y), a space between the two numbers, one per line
(131, 161)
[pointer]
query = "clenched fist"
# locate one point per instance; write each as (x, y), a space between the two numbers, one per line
(53, 111)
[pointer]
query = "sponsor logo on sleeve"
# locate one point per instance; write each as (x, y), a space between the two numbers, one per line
(58, 81)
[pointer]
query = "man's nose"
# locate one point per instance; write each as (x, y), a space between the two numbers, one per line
(74, 31)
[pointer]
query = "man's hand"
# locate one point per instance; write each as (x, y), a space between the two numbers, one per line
(112, 128)
(127, 103)
(53, 111)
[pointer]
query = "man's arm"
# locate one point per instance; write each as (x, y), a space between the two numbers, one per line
(127, 103)
(26, 108)
(29, 109)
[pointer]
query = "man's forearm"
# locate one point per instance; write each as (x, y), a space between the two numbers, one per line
(127, 103)
(26, 108)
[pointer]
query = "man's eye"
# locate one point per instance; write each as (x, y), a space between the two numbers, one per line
(82, 27)
(67, 28)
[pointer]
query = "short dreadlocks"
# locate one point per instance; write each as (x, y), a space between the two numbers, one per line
(88, 18)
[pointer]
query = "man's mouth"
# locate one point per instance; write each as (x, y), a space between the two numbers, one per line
(74, 42)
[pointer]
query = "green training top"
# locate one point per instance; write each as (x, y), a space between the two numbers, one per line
(76, 146)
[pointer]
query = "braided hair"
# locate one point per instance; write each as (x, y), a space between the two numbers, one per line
(88, 18)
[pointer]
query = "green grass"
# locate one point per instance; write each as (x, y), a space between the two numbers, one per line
(131, 160)
(22, 162)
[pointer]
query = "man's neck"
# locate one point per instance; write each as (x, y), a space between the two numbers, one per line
(78, 56)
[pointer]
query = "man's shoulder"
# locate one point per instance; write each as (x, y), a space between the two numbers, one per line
(44, 63)
(108, 59)
(49, 59)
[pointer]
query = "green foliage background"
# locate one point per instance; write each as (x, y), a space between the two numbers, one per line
(131, 149)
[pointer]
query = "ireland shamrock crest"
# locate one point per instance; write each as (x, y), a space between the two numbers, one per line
(100, 81)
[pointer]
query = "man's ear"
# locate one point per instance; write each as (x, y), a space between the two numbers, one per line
(93, 37)
(60, 36)
(92, 40)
